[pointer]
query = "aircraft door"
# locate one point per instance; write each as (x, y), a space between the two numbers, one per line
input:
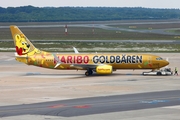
(150, 61)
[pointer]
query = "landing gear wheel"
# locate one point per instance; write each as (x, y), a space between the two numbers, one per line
(159, 73)
(88, 72)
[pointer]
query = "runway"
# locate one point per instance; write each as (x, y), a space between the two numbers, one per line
(95, 105)
(28, 92)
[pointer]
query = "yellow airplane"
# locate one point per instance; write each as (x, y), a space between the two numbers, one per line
(97, 62)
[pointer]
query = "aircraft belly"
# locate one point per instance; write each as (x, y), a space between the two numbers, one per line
(128, 66)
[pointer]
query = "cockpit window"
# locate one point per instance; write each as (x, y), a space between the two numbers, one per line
(159, 58)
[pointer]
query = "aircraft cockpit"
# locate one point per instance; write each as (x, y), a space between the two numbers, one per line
(159, 58)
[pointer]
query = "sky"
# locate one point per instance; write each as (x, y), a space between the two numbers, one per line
(93, 3)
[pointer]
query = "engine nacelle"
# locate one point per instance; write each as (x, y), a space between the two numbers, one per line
(104, 69)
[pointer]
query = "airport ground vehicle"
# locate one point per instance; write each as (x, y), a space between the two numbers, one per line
(165, 71)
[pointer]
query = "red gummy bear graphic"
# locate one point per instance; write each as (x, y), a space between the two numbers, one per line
(19, 50)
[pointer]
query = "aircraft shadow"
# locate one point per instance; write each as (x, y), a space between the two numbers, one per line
(80, 75)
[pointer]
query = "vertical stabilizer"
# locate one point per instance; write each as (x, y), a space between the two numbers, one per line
(21, 42)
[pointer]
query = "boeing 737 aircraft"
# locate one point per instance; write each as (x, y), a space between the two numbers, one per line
(97, 62)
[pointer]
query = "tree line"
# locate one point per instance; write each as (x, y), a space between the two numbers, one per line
(51, 14)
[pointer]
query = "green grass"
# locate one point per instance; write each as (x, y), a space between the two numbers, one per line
(98, 47)
(146, 26)
(173, 31)
(84, 34)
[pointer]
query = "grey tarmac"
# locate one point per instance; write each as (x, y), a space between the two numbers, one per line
(28, 92)
(95, 105)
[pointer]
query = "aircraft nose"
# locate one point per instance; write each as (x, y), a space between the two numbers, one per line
(165, 63)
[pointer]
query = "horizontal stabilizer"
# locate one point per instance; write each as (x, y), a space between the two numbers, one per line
(57, 60)
(22, 56)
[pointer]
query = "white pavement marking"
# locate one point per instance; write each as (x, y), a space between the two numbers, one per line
(45, 99)
(173, 107)
(10, 59)
(3, 57)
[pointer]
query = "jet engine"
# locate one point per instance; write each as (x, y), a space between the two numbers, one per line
(104, 69)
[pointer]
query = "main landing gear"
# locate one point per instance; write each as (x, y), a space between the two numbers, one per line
(88, 72)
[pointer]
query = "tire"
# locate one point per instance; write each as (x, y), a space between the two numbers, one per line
(90, 72)
(143, 74)
(87, 73)
(159, 73)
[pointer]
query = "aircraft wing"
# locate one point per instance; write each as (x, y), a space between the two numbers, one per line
(85, 66)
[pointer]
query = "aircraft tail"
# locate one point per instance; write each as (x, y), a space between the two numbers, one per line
(21, 42)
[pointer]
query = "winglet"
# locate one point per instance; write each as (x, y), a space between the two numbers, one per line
(75, 50)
